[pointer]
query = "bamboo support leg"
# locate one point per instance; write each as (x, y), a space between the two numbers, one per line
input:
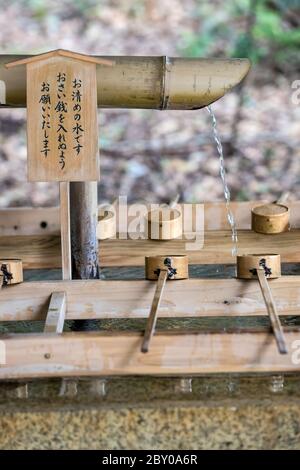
(84, 243)
(272, 311)
(151, 322)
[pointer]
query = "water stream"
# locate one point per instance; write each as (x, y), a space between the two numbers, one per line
(230, 216)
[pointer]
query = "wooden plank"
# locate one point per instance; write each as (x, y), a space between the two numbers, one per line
(132, 299)
(216, 250)
(65, 223)
(56, 313)
(38, 252)
(118, 354)
(29, 221)
(36, 221)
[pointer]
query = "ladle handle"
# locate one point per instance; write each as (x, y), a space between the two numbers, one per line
(151, 322)
(172, 203)
(272, 311)
(283, 198)
(107, 206)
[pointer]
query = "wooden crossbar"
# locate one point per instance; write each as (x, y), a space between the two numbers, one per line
(41, 221)
(184, 298)
(43, 251)
(118, 354)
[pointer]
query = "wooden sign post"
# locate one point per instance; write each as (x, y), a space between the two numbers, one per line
(62, 130)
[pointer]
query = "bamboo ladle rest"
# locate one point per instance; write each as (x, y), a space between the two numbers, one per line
(11, 272)
(271, 218)
(263, 267)
(161, 269)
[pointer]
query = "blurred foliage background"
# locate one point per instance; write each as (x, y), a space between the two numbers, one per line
(152, 155)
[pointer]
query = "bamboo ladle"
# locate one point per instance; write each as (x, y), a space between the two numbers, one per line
(106, 227)
(271, 218)
(165, 223)
(161, 269)
(11, 272)
(263, 267)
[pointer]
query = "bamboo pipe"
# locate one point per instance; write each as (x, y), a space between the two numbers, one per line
(144, 82)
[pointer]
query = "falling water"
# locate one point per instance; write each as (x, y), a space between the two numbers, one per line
(230, 216)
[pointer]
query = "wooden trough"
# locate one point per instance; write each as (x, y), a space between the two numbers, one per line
(200, 351)
(62, 97)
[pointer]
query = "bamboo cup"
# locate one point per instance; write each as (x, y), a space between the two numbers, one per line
(11, 272)
(263, 267)
(107, 222)
(106, 227)
(165, 223)
(271, 218)
(161, 269)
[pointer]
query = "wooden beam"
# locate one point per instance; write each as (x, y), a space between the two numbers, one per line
(118, 354)
(132, 299)
(56, 313)
(45, 220)
(64, 190)
(36, 252)
(44, 251)
(217, 248)
(29, 221)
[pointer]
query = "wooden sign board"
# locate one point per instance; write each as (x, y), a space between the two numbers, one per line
(62, 130)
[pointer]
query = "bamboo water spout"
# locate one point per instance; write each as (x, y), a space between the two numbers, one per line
(144, 82)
